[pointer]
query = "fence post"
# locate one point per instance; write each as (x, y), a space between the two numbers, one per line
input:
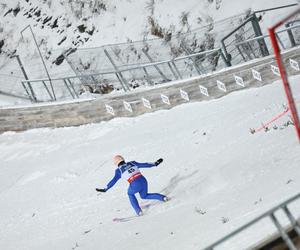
(31, 95)
(283, 234)
(47, 89)
(173, 72)
(72, 87)
(182, 45)
(257, 30)
(118, 73)
(27, 92)
(155, 66)
(292, 219)
(66, 84)
(290, 34)
(224, 53)
(226, 59)
(241, 53)
(36, 44)
(147, 76)
(176, 69)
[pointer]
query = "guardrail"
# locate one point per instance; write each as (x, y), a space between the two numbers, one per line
(236, 47)
(134, 103)
(248, 51)
(249, 29)
(271, 214)
(171, 70)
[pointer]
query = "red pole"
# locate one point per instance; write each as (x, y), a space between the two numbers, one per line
(286, 85)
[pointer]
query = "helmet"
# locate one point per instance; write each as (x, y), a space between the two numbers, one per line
(117, 159)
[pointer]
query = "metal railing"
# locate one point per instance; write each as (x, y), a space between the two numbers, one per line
(244, 43)
(249, 29)
(248, 51)
(271, 214)
(162, 71)
(276, 8)
(155, 72)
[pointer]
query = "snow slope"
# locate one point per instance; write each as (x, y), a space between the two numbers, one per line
(113, 21)
(60, 25)
(217, 173)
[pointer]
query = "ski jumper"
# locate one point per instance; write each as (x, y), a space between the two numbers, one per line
(137, 182)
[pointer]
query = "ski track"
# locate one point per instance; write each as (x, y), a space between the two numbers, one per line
(216, 172)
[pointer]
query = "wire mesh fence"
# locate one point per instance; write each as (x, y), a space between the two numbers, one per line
(10, 77)
(130, 65)
(125, 56)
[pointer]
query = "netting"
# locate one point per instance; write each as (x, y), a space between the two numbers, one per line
(137, 54)
(133, 64)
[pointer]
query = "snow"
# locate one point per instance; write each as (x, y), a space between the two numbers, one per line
(120, 22)
(11, 101)
(114, 25)
(218, 175)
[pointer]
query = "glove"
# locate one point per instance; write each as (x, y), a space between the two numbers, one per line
(102, 190)
(159, 161)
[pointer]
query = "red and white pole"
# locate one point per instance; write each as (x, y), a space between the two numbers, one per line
(286, 85)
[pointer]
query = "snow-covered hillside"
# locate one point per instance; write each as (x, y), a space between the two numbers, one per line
(64, 26)
(216, 172)
(61, 25)
(98, 22)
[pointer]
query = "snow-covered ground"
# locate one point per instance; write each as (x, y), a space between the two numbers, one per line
(62, 25)
(11, 101)
(218, 175)
(113, 21)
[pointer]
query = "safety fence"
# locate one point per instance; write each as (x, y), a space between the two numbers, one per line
(130, 104)
(164, 71)
(284, 206)
(260, 46)
(128, 66)
(246, 41)
(267, 73)
(152, 62)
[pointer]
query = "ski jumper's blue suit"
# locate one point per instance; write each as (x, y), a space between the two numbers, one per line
(137, 182)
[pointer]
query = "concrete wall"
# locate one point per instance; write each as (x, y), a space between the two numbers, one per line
(83, 112)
